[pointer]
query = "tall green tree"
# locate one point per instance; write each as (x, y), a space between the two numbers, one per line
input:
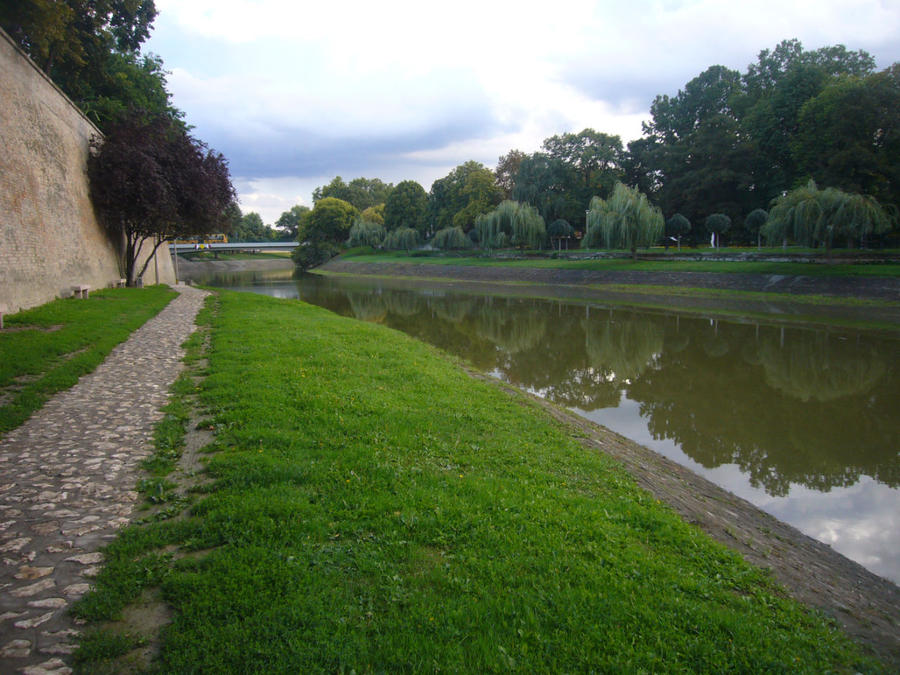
(469, 189)
(626, 220)
(291, 222)
(150, 182)
(848, 135)
(511, 223)
(406, 207)
(90, 48)
(507, 169)
(361, 192)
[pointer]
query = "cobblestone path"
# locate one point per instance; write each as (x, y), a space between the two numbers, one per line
(67, 480)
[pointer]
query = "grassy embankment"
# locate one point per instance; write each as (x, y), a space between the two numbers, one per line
(46, 349)
(235, 255)
(372, 507)
(836, 269)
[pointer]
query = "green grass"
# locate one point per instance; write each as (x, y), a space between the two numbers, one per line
(46, 349)
(373, 508)
(624, 264)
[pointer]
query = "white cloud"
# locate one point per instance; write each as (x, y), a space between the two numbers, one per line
(284, 87)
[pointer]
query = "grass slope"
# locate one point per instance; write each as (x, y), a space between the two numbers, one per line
(623, 264)
(46, 349)
(373, 508)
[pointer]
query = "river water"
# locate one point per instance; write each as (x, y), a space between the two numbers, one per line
(799, 419)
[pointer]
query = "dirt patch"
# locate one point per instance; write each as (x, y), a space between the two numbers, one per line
(864, 604)
(877, 288)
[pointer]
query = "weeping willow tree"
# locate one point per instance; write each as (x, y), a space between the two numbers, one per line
(622, 348)
(814, 217)
(559, 230)
(401, 239)
(626, 220)
(511, 223)
(451, 239)
(366, 233)
(822, 370)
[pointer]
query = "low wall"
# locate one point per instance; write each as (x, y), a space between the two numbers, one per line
(49, 236)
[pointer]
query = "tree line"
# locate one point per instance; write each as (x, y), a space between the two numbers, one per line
(803, 146)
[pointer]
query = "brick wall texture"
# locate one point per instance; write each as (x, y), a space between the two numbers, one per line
(50, 239)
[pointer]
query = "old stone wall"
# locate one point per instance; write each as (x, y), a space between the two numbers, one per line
(49, 236)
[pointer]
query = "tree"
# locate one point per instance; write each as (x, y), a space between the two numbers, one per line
(90, 48)
(717, 224)
(813, 217)
(151, 182)
(465, 189)
(291, 222)
(506, 171)
(251, 228)
(559, 230)
(326, 228)
(374, 214)
(366, 233)
(848, 135)
(402, 239)
(451, 239)
(626, 220)
(677, 226)
(511, 222)
(754, 223)
(406, 207)
(362, 193)
(329, 222)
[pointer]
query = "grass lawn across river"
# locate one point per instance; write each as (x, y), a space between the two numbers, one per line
(371, 507)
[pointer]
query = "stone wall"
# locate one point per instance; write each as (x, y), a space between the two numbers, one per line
(49, 236)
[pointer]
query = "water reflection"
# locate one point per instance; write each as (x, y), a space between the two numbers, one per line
(777, 414)
(787, 405)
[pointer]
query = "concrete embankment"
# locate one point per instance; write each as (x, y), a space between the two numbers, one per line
(879, 288)
(195, 269)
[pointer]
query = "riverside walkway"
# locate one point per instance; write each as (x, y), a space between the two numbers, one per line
(67, 479)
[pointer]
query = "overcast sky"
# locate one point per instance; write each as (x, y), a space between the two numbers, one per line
(295, 93)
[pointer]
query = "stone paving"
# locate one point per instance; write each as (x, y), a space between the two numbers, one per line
(67, 479)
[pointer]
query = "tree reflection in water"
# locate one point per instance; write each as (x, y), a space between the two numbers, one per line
(812, 406)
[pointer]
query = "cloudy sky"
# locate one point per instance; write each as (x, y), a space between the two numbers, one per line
(295, 93)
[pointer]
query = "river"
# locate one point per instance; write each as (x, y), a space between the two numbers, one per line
(799, 419)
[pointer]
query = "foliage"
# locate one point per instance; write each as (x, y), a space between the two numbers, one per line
(469, 189)
(311, 254)
(251, 228)
(451, 239)
(812, 217)
(678, 225)
(292, 222)
(402, 239)
(374, 214)
(848, 136)
(507, 170)
(570, 169)
(91, 49)
(407, 500)
(626, 220)
(329, 221)
(718, 224)
(57, 343)
(511, 223)
(363, 193)
(366, 233)
(754, 223)
(406, 207)
(151, 182)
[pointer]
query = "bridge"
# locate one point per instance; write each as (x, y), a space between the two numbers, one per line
(238, 246)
